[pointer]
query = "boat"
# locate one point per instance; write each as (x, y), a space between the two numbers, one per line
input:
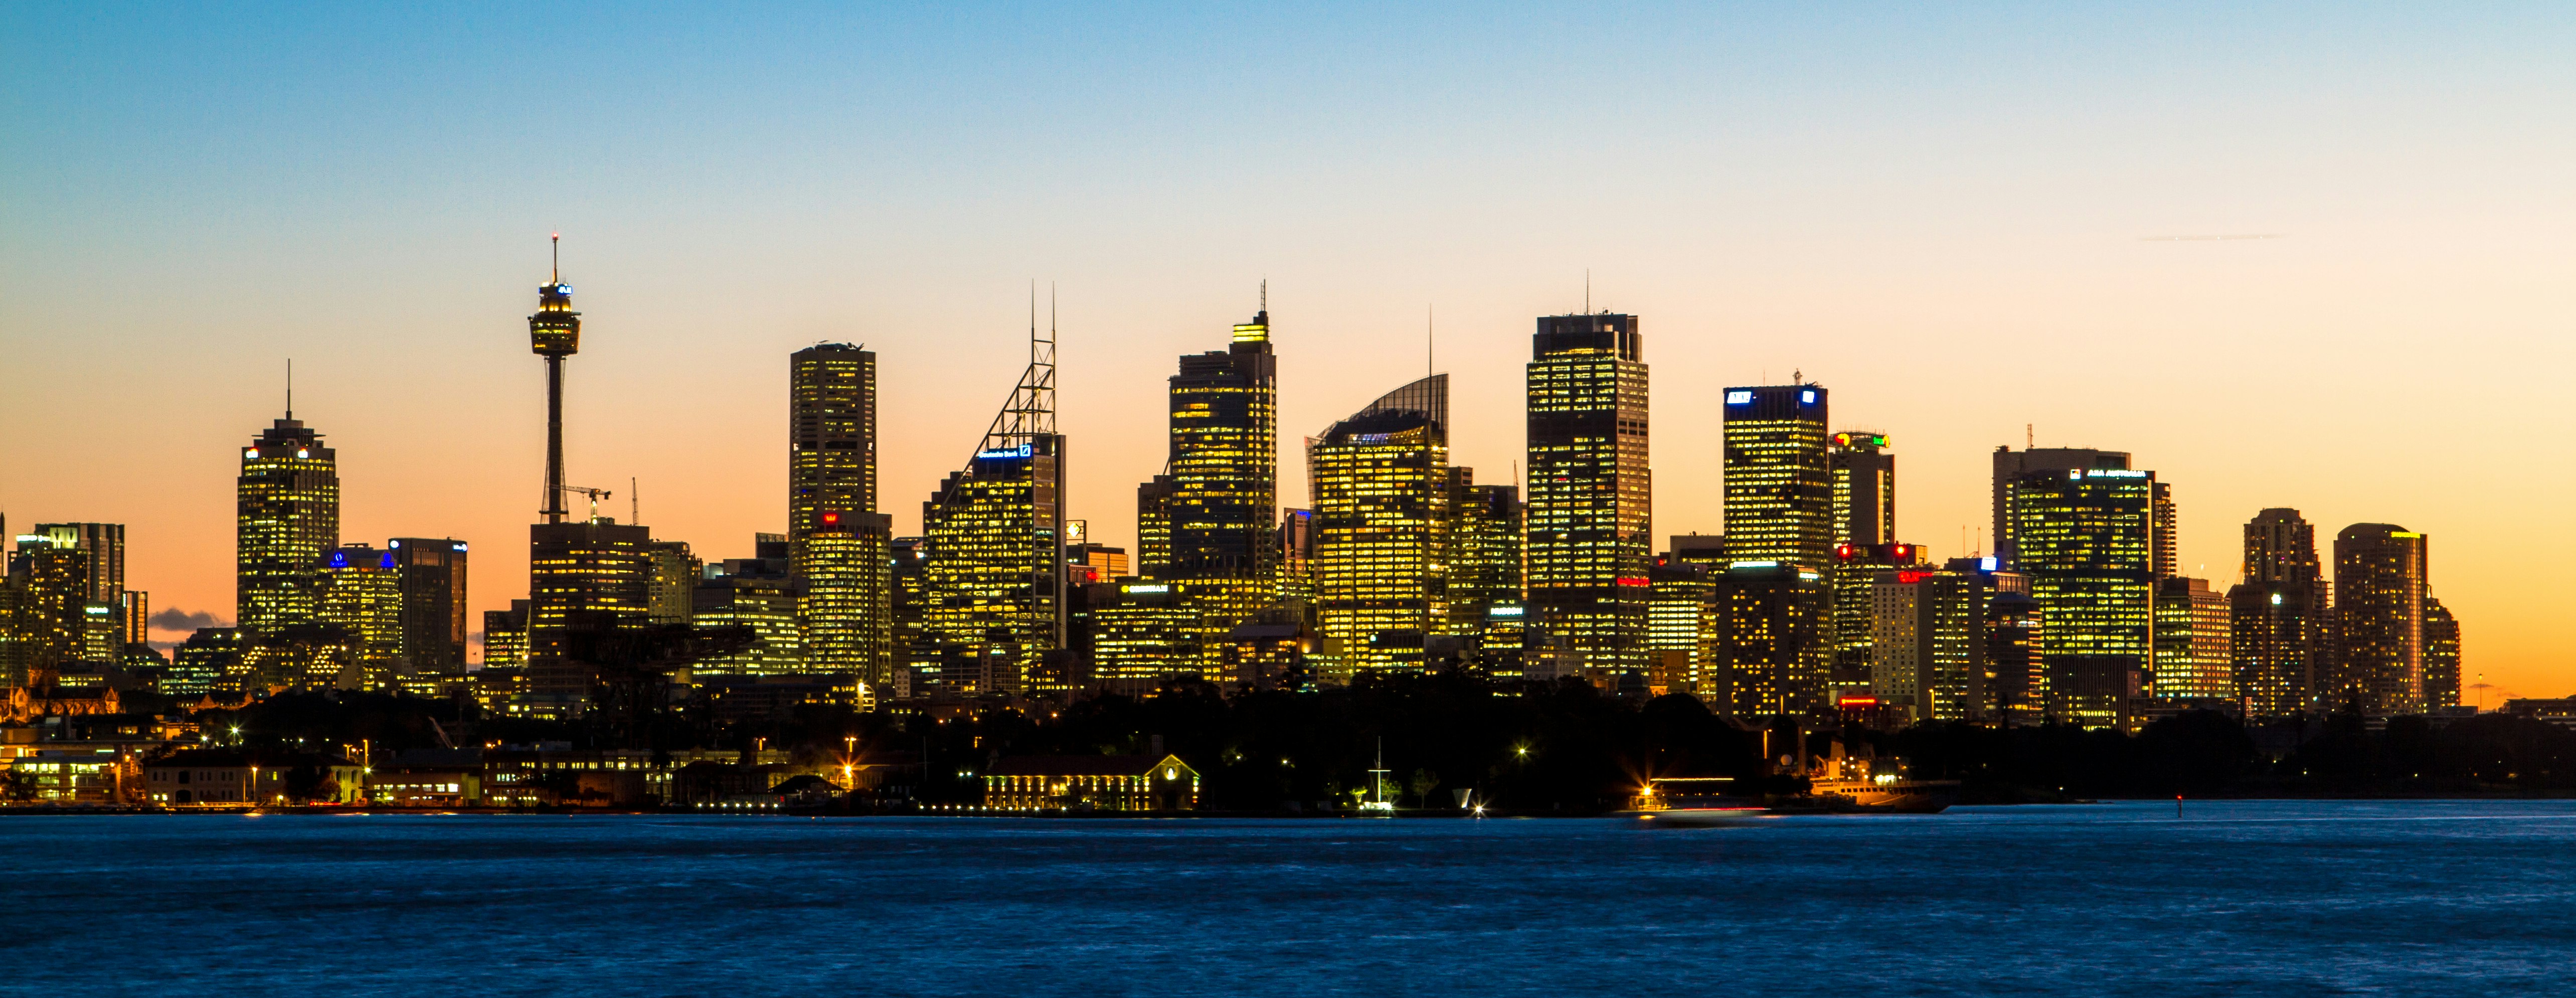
(1694, 802)
(1886, 794)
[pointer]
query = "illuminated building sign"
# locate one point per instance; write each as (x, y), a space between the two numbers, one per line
(1019, 451)
(1739, 398)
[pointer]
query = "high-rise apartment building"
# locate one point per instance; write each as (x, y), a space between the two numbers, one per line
(1779, 490)
(993, 601)
(2281, 632)
(1223, 471)
(2381, 574)
(1380, 484)
(288, 518)
(2086, 539)
(1484, 555)
(2195, 655)
(42, 606)
(1588, 519)
(434, 606)
(1864, 477)
(2441, 656)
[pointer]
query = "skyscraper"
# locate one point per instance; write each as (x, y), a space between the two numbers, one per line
(1924, 655)
(103, 544)
(1854, 575)
(362, 595)
(2280, 632)
(1484, 553)
(1864, 476)
(434, 603)
(757, 597)
(993, 585)
(2194, 653)
(1779, 490)
(2381, 573)
(1224, 468)
(844, 603)
(1380, 482)
(41, 607)
(1771, 655)
(1589, 512)
(2086, 539)
(840, 546)
(2010, 465)
(288, 518)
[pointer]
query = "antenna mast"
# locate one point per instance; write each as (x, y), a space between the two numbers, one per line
(1030, 413)
(290, 388)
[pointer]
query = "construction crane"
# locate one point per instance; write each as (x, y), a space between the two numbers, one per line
(595, 496)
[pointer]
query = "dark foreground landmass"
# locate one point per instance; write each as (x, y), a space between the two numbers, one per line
(1524, 749)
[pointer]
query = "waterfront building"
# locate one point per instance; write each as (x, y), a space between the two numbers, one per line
(756, 599)
(362, 595)
(1381, 504)
(2441, 656)
(2195, 657)
(1864, 489)
(1091, 783)
(2381, 574)
(2281, 631)
(1772, 657)
(2086, 539)
(1588, 520)
(993, 587)
(288, 519)
(839, 545)
(1223, 491)
(1484, 554)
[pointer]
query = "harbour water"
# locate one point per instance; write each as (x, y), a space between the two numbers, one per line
(2271, 897)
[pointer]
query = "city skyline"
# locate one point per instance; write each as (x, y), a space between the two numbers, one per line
(685, 353)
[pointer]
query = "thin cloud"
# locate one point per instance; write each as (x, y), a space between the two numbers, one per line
(175, 619)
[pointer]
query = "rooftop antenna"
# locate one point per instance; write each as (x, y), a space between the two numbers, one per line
(1265, 294)
(1428, 365)
(1587, 291)
(555, 270)
(2030, 436)
(290, 388)
(634, 504)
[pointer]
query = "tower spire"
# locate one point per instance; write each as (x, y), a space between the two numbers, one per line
(556, 270)
(290, 388)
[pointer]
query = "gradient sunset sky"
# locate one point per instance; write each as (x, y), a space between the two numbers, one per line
(1961, 221)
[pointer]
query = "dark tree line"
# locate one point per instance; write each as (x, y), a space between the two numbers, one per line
(1560, 749)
